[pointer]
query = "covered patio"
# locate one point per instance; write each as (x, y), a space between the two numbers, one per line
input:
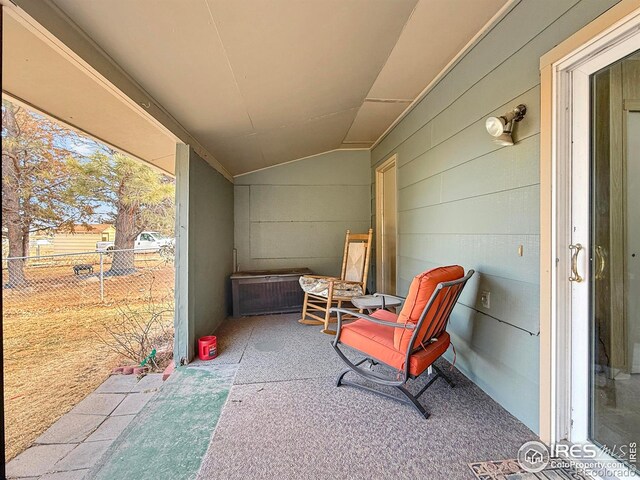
(284, 417)
(288, 123)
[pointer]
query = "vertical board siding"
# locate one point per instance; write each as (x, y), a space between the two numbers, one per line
(211, 230)
(296, 215)
(204, 256)
(463, 199)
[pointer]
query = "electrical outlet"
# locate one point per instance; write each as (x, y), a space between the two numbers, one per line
(485, 299)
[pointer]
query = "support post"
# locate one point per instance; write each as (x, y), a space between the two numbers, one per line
(102, 277)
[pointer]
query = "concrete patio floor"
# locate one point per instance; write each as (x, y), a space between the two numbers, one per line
(285, 418)
(77, 441)
(268, 407)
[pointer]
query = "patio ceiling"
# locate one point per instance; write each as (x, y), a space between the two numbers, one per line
(37, 75)
(260, 83)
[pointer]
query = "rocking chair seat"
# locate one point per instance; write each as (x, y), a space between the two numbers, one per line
(376, 341)
(319, 286)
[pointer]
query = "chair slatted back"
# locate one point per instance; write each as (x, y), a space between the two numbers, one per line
(356, 257)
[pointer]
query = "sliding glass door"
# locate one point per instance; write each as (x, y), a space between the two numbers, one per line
(613, 254)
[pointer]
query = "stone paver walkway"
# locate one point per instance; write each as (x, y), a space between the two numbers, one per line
(78, 440)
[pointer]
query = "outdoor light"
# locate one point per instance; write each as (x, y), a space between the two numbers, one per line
(500, 128)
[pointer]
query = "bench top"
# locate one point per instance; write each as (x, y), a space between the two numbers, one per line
(282, 272)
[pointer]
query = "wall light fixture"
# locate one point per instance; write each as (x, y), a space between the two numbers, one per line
(501, 128)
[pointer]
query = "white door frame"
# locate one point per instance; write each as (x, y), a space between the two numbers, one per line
(389, 163)
(570, 200)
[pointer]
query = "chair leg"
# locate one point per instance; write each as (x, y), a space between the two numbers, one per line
(341, 376)
(414, 401)
(447, 379)
(304, 305)
(304, 320)
(380, 380)
(406, 398)
(439, 373)
(429, 383)
(371, 361)
(327, 317)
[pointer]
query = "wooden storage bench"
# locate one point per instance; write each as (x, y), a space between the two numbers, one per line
(267, 291)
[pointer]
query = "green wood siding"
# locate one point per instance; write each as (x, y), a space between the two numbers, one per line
(204, 234)
(463, 199)
(296, 215)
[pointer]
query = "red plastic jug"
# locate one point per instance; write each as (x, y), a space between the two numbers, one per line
(207, 347)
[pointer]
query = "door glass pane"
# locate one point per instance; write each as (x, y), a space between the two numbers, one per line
(615, 256)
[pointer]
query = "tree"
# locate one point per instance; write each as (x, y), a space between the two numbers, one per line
(137, 196)
(36, 193)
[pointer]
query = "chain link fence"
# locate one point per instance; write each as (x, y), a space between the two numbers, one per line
(83, 277)
(69, 319)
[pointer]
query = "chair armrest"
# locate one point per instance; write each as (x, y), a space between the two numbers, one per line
(377, 294)
(352, 282)
(333, 279)
(387, 295)
(369, 318)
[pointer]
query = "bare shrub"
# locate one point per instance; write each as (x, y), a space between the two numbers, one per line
(136, 331)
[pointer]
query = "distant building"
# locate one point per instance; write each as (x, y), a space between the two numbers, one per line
(40, 243)
(83, 238)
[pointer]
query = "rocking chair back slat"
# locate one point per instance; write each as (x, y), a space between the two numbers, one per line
(354, 270)
(355, 260)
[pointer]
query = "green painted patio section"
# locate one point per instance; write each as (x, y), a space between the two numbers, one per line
(170, 437)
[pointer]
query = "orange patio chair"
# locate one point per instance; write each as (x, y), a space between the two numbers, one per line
(410, 342)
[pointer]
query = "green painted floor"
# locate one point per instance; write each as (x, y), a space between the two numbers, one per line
(169, 438)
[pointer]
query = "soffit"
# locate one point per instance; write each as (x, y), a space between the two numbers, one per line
(436, 32)
(373, 118)
(38, 75)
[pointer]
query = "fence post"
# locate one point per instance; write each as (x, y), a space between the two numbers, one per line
(101, 277)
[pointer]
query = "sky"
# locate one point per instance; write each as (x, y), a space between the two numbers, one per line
(81, 147)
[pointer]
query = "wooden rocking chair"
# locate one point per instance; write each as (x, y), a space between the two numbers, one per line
(322, 293)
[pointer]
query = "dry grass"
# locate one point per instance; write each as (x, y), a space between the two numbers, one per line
(53, 358)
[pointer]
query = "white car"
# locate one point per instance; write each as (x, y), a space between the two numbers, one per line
(145, 242)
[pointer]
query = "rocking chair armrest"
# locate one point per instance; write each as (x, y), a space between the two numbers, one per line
(351, 282)
(327, 277)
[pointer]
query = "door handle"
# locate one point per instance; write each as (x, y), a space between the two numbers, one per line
(575, 276)
(602, 262)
